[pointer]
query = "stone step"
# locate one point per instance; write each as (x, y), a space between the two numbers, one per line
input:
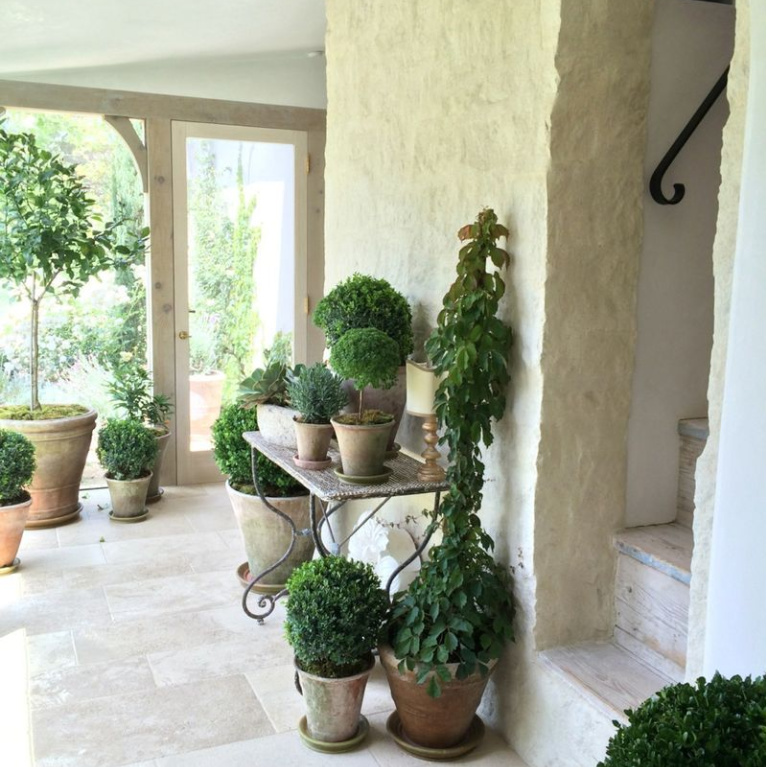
(606, 674)
(693, 433)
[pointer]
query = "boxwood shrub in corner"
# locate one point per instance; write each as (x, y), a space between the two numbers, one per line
(720, 723)
(17, 464)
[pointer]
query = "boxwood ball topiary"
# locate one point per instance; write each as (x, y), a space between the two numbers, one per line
(126, 449)
(710, 724)
(335, 610)
(367, 356)
(17, 464)
(366, 302)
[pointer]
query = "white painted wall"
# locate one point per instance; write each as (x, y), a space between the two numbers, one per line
(692, 44)
(735, 636)
(283, 79)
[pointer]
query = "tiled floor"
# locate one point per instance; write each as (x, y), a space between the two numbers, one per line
(138, 652)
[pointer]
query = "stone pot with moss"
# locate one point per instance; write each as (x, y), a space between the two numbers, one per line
(317, 393)
(17, 464)
(49, 246)
(266, 536)
(335, 610)
(126, 447)
(369, 358)
(363, 301)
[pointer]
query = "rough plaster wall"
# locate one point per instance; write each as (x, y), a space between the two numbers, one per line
(595, 185)
(724, 254)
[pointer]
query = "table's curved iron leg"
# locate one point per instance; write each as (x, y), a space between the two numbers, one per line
(317, 524)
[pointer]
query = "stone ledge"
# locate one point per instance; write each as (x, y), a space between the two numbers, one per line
(667, 548)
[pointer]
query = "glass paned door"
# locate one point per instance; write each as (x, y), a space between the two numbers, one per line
(239, 270)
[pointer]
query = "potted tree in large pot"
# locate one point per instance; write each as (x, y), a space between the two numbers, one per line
(335, 610)
(17, 464)
(266, 536)
(446, 632)
(50, 246)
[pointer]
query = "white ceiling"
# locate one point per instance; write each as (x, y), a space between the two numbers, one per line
(67, 34)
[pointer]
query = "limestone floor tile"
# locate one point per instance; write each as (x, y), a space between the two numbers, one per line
(148, 725)
(78, 683)
(188, 491)
(154, 549)
(182, 593)
(38, 539)
(211, 561)
(213, 518)
(41, 560)
(232, 539)
(50, 652)
(93, 530)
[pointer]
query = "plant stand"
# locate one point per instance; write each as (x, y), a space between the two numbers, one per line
(328, 494)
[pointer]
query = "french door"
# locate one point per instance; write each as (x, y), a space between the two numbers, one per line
(239, 270)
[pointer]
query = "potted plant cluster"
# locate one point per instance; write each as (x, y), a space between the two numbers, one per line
(447, 631)
(368, 357)
(50, 245)
(265, 535)
(131, 391)
(361, 302)
(335, 610)
(17, 464)
(317, 393)
(709, 724)
(126, 448)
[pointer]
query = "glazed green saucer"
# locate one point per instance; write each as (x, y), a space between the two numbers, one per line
(243, 573)
(138, 518)
(470, 741)
(8, 569)
(333, 748)
(375, 479)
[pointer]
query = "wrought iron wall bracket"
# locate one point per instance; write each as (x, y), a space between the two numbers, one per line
(656, 181)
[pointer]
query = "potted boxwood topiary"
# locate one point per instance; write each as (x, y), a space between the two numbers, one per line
(369, 358)
(265, 535)
(125, 449)
(131, 391)
(362, 301)
(49, 245)
(17, 464)
(335, 610)
(710, 724)
(317, 393)
(448, 629)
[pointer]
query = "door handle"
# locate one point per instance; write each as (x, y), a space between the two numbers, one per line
(183, 335)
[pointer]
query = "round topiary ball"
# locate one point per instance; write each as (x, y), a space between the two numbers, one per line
(367, 356)
(17, 464)
(126, 448)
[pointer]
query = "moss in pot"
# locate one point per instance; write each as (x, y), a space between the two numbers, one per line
(317, 393)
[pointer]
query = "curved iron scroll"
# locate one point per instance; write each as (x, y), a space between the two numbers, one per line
(657, 177)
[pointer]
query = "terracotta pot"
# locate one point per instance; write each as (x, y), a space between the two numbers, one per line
(267, 536)
(362, 448)
(12, 521)
(275, 423)
(433, 722)
(61, 449)
(128, 496)
(333, 706)
(162, 438)
(388, 400)
(313, 441)
(206, 392)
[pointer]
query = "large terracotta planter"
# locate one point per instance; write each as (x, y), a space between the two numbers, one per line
(362, 448)
(61, 449)
(206, 391)
(333, 706)
(128, 496)
(387, 400)
(12, 521)
(267, 536)
(313, 442)
(433, 722)
(275, 423)
(162, 437)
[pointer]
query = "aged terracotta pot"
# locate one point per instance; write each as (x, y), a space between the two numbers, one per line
(128, 496)
(362, 448)
(12, 521)
(433, 722)
(333, 706)
(61, 449)
(275, 423)
(206, 392)
(267, 537)
(313, 441)
(162, 437)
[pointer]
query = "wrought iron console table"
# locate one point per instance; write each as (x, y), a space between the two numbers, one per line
(328, 494)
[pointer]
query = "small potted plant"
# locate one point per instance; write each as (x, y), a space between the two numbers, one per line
(362, 301)
(265, 535)
(17, 464)
(317, 393)
(369, 358)
(131, 391)
(125, 449)
(335, 609)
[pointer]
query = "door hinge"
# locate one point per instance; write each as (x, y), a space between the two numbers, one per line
(308, 164)
(306, 304)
